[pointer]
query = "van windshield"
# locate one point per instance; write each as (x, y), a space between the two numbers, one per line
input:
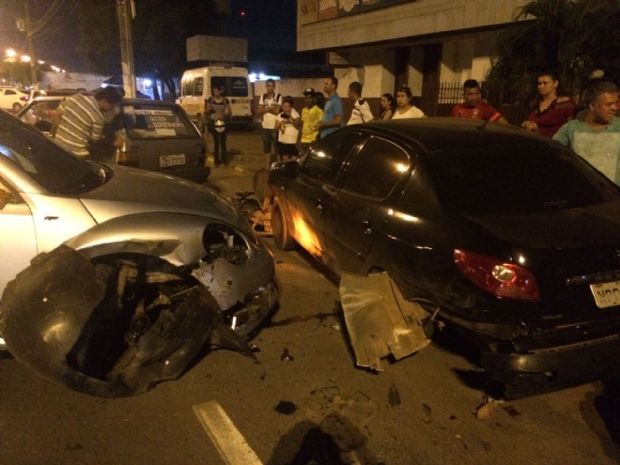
(235, 86)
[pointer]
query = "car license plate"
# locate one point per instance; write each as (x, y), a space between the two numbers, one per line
(171, 160)
(606, 294)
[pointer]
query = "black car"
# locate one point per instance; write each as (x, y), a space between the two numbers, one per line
(515, 238)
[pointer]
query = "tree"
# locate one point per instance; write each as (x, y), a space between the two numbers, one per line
(571, 37)
(97, 34)
(159, 33)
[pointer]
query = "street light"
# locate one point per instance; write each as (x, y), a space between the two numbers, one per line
(25, 59)
(10, 53)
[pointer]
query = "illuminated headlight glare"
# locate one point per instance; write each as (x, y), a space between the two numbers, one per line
(503, 273)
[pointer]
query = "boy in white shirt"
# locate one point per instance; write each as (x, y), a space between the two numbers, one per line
(269, 107)
(287, 126)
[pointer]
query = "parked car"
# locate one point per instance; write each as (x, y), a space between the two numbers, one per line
(12, 98)
(514, 238)
(158, 135)
(134, 272)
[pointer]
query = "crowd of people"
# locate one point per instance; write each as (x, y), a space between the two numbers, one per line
(593, 132)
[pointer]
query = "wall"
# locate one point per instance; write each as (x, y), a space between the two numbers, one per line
(407, 20)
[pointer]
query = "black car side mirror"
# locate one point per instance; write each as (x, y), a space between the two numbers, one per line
(288, 168)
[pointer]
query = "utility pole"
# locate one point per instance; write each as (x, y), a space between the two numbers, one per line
(125, 11)
(33, 72)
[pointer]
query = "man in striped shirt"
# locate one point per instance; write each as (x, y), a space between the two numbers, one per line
(82, 120)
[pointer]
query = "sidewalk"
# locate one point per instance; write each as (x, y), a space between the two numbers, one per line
(245, 155)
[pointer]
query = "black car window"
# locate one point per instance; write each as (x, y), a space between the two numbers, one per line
(376, 169)
(323, 162)
(517, 176)
(148, 121)
(49, 165)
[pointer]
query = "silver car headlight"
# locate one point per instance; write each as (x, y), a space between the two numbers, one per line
(223, 241)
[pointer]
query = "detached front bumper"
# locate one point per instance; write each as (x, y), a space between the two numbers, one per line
(552, 368)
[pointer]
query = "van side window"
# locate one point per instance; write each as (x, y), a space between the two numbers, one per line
(188, 87)
(198, 87)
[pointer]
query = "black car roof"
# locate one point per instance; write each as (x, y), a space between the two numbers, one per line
(448, 134)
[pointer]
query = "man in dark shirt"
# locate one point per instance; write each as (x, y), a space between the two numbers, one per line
(474, 107)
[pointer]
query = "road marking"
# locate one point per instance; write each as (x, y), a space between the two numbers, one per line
(230, 443)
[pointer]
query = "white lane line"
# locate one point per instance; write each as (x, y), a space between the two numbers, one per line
(230, 443)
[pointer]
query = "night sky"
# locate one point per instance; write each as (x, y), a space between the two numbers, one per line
(268, 24)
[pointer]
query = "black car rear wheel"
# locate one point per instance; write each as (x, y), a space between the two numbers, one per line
(281, 233)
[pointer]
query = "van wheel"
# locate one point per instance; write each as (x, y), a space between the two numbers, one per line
(280, 229)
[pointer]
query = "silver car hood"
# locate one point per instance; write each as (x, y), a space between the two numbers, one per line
(132, 191)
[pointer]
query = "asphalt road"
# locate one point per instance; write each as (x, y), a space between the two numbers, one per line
(308, 404)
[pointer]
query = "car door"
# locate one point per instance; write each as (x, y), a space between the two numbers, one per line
(363, 199)
(308, 196)
(18, 245)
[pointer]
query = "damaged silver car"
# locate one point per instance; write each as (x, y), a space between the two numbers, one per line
(133, 275)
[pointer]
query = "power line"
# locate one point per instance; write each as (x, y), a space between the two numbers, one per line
(47, 17)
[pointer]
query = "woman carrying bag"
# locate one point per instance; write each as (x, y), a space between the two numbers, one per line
(217, 113)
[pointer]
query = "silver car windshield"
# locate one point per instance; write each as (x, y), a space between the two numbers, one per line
(54, 169)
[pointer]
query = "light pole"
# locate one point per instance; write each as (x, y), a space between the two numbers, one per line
(124, 8)
(33, 72)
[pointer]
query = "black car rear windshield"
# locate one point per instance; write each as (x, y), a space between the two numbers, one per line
(147, 121)
(55, 170)
(517, 177)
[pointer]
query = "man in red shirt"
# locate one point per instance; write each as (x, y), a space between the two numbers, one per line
(474, 107)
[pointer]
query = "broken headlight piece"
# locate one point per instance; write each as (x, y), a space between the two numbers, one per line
(221, 241)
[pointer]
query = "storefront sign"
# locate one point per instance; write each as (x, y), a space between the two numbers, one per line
(328, 9)
(308, 11)
(319, 10)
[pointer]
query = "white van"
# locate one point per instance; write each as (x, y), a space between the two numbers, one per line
(197, 83)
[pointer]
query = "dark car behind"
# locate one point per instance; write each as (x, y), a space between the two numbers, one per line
(158, 136)
(514, 238)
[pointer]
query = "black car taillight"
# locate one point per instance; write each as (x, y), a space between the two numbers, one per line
(497, 277)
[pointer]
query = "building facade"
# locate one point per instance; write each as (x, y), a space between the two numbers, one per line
(430, 45)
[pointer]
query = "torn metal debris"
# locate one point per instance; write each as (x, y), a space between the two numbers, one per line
(112, 326)
(379, 320)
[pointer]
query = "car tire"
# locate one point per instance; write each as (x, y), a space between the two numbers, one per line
(16, 107)
(279, 226)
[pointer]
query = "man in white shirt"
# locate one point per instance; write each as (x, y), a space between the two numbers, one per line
(361, 110)
(269, 107)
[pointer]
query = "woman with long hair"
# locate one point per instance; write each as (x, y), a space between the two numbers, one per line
(387, 106)
(217, 112)
(551, 109)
